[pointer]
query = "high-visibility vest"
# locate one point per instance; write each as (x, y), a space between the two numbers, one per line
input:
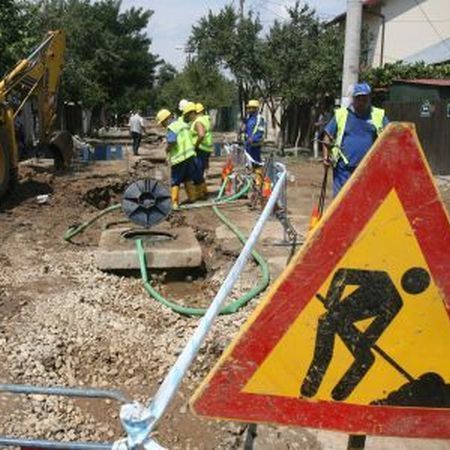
(341, 115)
(184, 147)
(207, 143)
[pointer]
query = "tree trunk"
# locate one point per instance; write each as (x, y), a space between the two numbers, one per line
(282, 133)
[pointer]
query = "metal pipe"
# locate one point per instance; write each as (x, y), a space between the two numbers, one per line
(44, 444)
(159, 403)
(65, 392)
(17, 111)
(94, 393)
(42, 45)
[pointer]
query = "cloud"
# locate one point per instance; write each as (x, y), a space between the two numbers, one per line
(171, 23)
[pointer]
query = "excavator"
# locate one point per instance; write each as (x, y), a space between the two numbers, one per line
(36, 79)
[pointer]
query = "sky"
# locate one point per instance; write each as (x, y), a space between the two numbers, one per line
(172, 20)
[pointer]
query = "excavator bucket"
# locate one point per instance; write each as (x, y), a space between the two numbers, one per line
(61, 145)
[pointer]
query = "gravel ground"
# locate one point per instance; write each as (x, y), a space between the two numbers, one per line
(65, 323)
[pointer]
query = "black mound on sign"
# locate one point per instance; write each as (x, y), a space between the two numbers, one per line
(429, 390)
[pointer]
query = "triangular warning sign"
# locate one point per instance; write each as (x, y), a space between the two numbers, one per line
(355, 334)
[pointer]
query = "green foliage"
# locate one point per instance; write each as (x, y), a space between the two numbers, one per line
(197, 82)
(382, 77)
(298, 62)
(301, 58)
(107, 61)
(166, 73)
(17, 32)
(226, 41)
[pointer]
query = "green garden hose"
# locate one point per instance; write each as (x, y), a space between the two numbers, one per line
(237, 304)
(229, 309)
(188, 311)
(72, 231)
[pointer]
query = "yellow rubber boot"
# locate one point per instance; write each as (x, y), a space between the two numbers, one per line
(175, 194)
(259, 177)
(191, 191)
(202, 191)
(205, 190)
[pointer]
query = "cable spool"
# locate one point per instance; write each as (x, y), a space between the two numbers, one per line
(146, 202)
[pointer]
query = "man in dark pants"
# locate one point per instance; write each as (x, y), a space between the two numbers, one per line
(136, 125)
(375, 297)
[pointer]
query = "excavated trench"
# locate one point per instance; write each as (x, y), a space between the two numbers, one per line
(187, 286)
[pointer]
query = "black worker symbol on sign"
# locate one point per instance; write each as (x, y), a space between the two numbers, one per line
(375, 297)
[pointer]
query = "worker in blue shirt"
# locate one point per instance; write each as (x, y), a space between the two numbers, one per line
(254, 132)
(351, 133)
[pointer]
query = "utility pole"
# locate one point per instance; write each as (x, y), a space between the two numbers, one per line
(352, 49)
(239, 81)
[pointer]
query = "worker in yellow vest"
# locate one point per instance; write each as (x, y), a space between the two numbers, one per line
(181, 155)
(351, 133)
(203, 141)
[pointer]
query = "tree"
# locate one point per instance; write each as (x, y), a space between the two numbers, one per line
(17, 32)
(301, 65)
(108, 58)
(296, 64)
(166, 73)
(227, 41)
(196, 82)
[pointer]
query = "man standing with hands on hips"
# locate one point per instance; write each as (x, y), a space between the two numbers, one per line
(351, 133)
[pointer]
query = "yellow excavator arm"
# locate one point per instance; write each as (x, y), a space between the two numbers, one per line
(37, 76)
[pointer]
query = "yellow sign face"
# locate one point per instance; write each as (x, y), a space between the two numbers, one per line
(379, 321)
(355, 333)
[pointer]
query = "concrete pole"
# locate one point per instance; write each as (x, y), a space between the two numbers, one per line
(241, 8)
(352, 49)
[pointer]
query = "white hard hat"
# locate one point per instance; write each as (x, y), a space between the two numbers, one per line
(182, 104)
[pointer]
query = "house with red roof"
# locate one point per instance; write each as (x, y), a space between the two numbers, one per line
(407, 30)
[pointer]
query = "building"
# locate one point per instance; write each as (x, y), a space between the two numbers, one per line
(407, 30)
(426, 103)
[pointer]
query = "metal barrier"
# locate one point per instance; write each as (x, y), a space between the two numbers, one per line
(62, 392)
(138, 420)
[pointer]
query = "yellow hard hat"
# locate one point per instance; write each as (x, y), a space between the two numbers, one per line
(199, 108)
(253, 104)
(190, 107)
(163, 115)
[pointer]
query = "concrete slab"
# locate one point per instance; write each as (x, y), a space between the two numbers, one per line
(116, 252)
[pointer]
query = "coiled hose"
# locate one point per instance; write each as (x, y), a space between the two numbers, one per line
(180, 309)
